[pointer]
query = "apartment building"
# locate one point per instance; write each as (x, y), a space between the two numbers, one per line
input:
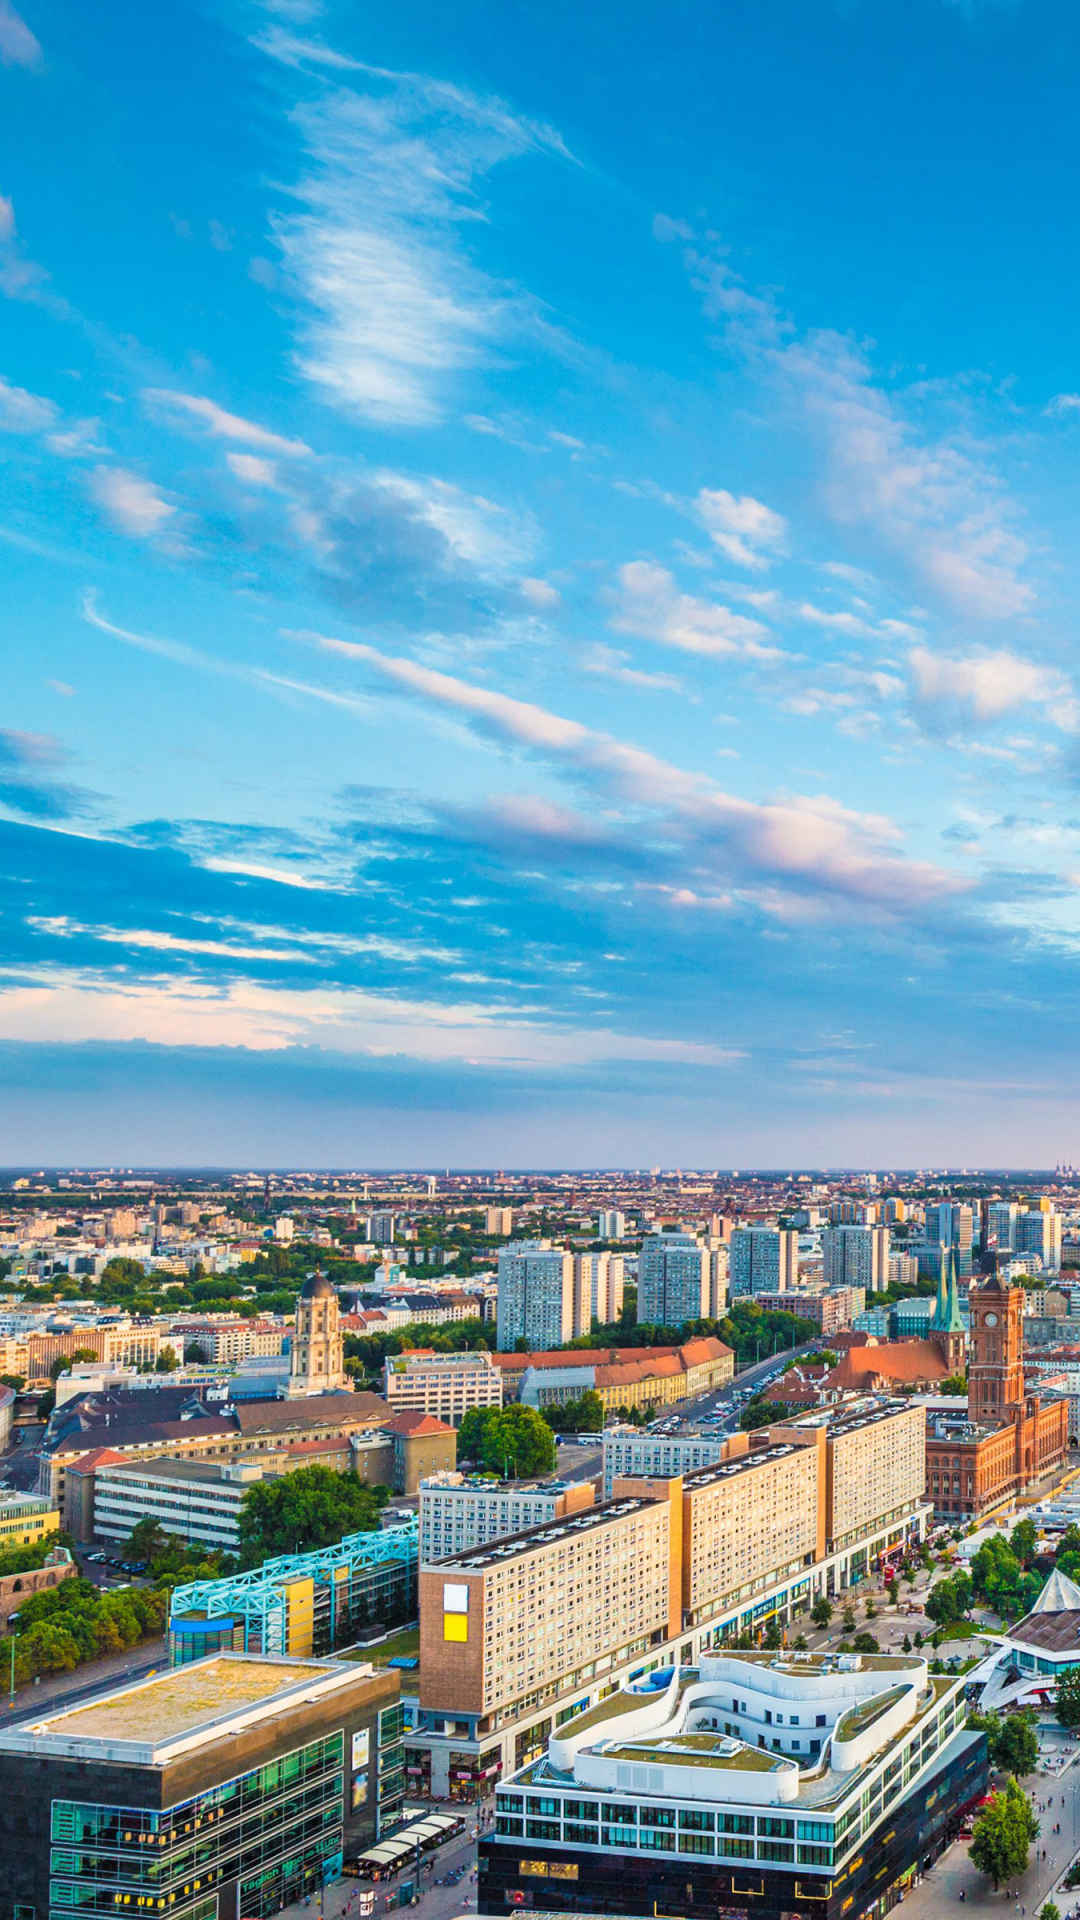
(224, 1342)
(499, 1220)
(599, 1283)
(32, 1355)
(197, 1500)
(830, 1311)
(461, 1511)
(749, 1521)
(875, 1464)
(546, 1608)
(536, 1294)
(763, 1260)
(855, 1257)
(674, 1279)
(626, 1450)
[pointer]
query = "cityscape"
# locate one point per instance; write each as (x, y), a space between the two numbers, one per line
(539, 862)
(436, 1538)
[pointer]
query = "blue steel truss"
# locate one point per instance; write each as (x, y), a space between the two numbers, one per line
(261, 1596)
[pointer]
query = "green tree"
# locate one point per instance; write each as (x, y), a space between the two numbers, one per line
(821, 1612)
(949, 1600)
(80, 1358)
(773, 1636)
(1069, 1542)
(1016, 1749)
(313, 1507)
(1003, 1833)
(1067, 1698)
(517, 1443)
(1023, 1542)
(583, 1415)
(760, 1412)
(953, 1383)
(167, 1361)
(864, 1643)
(1050, 1911)
(849, 1619)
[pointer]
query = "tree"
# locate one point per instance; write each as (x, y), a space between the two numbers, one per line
(1023, 1542)
(313, 1507)
(1067, 1698)
(516, 1443)
(849, 1619)
(893, 1592)
(167, 1361)
(80, 1357)
(1069, 1543)
(953, 1383)
(196, 1354)
(864, 1643)
(821, 1612)
(583, 1415)
(760, 1412)
(1016, 1749)
(1003, 1833)
(1050, 1911)
(949, 1600)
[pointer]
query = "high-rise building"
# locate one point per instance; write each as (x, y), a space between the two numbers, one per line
(1039, 1232)
(856, 1257)
(380, 1229)
(283, 1227)
(536, 1295)
(950, 1223)
(763, 1260)
(499, 1220)
(460, 1511)
(610, 1224)
(599, 1280)
(674, 1279)
(122, 1224)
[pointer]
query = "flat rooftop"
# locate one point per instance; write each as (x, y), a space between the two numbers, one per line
(514, 1545)
(196, 1473)
(742, 1463)
(174, 1710)
(848, 1419)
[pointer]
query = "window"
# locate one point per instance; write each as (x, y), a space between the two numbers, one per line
(658, 1816)
(777, 1829)
(736, 1823)
(697, 1822)
(695, 1843)
(775, 1850)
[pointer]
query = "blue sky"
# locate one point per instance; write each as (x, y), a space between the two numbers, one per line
(540, 583)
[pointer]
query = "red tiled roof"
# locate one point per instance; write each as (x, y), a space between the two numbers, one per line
(908, 1362)
(414, 1425)
(97, 1457)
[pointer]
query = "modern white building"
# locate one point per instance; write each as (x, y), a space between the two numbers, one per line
(610, 1224)
(599, 1282)
(536, 1295)
(459, 1511)
(446, 1385)
(199, 1501)
(1039, 1232)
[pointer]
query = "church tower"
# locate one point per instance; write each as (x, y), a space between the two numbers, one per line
(947, 1326)
(316, 1363)
(996, 1371)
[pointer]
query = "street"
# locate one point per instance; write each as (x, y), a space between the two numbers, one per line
(954, 1881)
(341, 1901)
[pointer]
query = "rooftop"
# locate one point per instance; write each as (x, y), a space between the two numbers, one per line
(481, 1559)
(175, 1710)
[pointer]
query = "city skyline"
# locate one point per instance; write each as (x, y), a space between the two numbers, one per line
(540, 586)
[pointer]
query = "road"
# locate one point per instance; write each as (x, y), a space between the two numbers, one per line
(586, 1462)
(115, 1671)
(341, 1900)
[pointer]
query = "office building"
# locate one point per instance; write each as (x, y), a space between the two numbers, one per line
(950, 1223)
(903, 1270)
(460, 1511)
(767, 1784)
(763, 1260)
(499, 1220)
(599, 1280)
(536, 1294)
(610, 1224)
(1038, 1232)
(624, 1377)
(855, 1257)
(234, 1787)
(299, 1603)
(25, 1518)
(1001, 1219)
(198, 1501)
(675, 1280)
(830, 1312)
(447, 1385)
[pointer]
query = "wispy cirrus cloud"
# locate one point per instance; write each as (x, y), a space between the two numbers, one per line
(744, 529)
(803, 845)
(394, 305)
(650, 604)
(18, 46)
(221, 424)
(24, 412)
(29, 766)
(132, 504)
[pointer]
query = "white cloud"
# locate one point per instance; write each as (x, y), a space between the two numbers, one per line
(395, 304)
(18, 47)
(225, 426)
(988, 685)
(23, 412)
(249, 468)
(805, 847)
(610, 664)
(539, 593)
(651, 605)
(742, 527)
(68, 1006)
(7, 219)
(133, 504)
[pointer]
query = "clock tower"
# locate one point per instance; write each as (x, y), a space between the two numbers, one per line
(996, 1365)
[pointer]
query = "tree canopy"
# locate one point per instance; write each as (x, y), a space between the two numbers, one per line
(514, 1442)
(1003, 1833)
(299, 1512)
(1067, 1698)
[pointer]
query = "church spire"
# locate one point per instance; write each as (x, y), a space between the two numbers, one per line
(952, 1319)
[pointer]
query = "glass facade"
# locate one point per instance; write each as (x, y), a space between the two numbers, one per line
(391, 1766)
(277, 1830)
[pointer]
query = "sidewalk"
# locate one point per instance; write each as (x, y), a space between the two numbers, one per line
(115, 1667)
(954, 1874)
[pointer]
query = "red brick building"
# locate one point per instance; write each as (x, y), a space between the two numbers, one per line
(1005, 1440)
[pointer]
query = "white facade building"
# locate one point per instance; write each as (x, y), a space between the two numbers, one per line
(459, 1511)
(629, 1451)
(536, 1295)
(447, 1385)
